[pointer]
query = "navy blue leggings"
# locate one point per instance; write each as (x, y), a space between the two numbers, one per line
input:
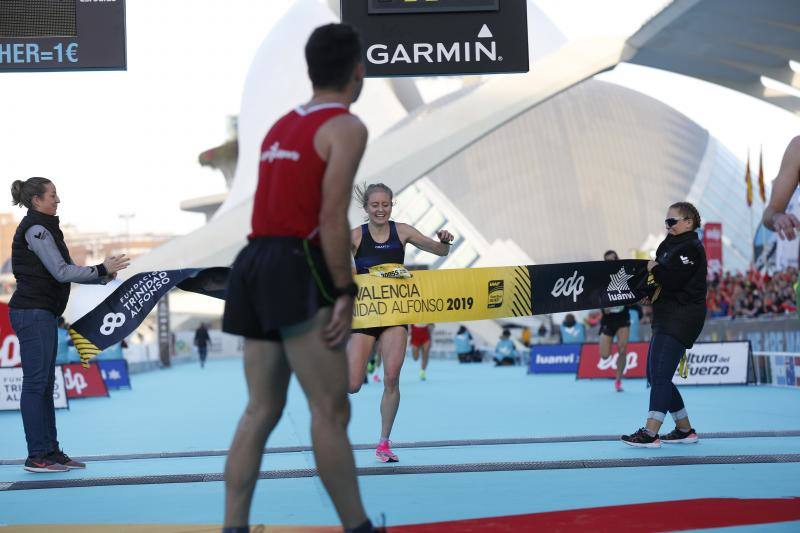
(662, 360)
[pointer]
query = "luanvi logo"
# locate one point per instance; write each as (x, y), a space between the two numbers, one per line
(618, 288)
(482, 49)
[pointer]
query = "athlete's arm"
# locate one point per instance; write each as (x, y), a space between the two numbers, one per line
(412, 235)
(341, 141)
(775, 217)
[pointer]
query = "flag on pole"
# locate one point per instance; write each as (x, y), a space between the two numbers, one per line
(748, 181)
(762, 190)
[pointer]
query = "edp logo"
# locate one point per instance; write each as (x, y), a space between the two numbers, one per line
(571, 286)
(74, 382)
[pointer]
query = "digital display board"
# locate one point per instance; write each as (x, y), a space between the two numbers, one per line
(441, 37)
(380, 7)
(55, 35)
(38, 18)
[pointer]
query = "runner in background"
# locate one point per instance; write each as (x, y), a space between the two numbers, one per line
(421, 343)
(615, 323)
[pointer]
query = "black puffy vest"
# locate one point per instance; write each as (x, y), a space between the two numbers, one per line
(36, 287)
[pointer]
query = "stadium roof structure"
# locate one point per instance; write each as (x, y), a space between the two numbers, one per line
(749, 46)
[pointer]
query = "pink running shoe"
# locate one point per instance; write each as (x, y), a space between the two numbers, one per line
(618, 385)
(376, 378)
(385, 454)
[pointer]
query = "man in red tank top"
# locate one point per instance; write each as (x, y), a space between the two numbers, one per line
(291, 290)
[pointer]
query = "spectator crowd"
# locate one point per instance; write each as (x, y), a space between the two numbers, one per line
(753, 294)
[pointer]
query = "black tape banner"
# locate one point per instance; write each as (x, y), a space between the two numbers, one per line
(455, 295)
(123, 310)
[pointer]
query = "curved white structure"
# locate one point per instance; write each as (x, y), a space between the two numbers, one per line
(277, 82)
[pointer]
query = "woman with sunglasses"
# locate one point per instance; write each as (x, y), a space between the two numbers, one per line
(679, 312)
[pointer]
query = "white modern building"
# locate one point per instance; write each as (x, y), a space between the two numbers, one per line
(548, 166)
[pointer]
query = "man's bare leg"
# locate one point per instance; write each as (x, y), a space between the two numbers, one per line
(322, 373)
(267, 374)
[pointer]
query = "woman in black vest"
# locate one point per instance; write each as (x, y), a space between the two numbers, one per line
(679, 312)
(44, 270)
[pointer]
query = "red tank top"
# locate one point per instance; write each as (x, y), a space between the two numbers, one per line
(289, 193)
(420, 334)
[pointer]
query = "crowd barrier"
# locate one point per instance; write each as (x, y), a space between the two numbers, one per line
(709, 363)
(73, 381)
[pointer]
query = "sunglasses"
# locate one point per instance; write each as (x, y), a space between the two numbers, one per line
(672, 221)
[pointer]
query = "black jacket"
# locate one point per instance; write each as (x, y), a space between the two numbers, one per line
(679, 309)
(36, 287)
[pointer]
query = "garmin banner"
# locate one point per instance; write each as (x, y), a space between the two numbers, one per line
(124, 309)
(390, 297)
(717, 363)
(554, 359)
(11, 389)
(443, 37)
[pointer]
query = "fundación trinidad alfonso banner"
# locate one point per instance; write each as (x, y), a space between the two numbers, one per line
(123, 310)
(11, 389)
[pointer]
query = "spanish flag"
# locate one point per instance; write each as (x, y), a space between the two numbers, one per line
(748, 181)
(762, 190)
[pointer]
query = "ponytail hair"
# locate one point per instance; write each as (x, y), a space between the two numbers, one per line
(689, 211)
(23, 192)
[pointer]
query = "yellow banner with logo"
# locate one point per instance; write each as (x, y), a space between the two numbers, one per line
(429, 296)
(390, 295)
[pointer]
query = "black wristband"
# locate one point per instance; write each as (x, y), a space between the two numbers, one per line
(101, 270)
(351, 289)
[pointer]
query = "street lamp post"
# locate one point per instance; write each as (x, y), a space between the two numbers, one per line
(127, 218)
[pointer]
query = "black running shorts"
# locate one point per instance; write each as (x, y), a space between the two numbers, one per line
(275, 282)
(372, 332)
(613, 322)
